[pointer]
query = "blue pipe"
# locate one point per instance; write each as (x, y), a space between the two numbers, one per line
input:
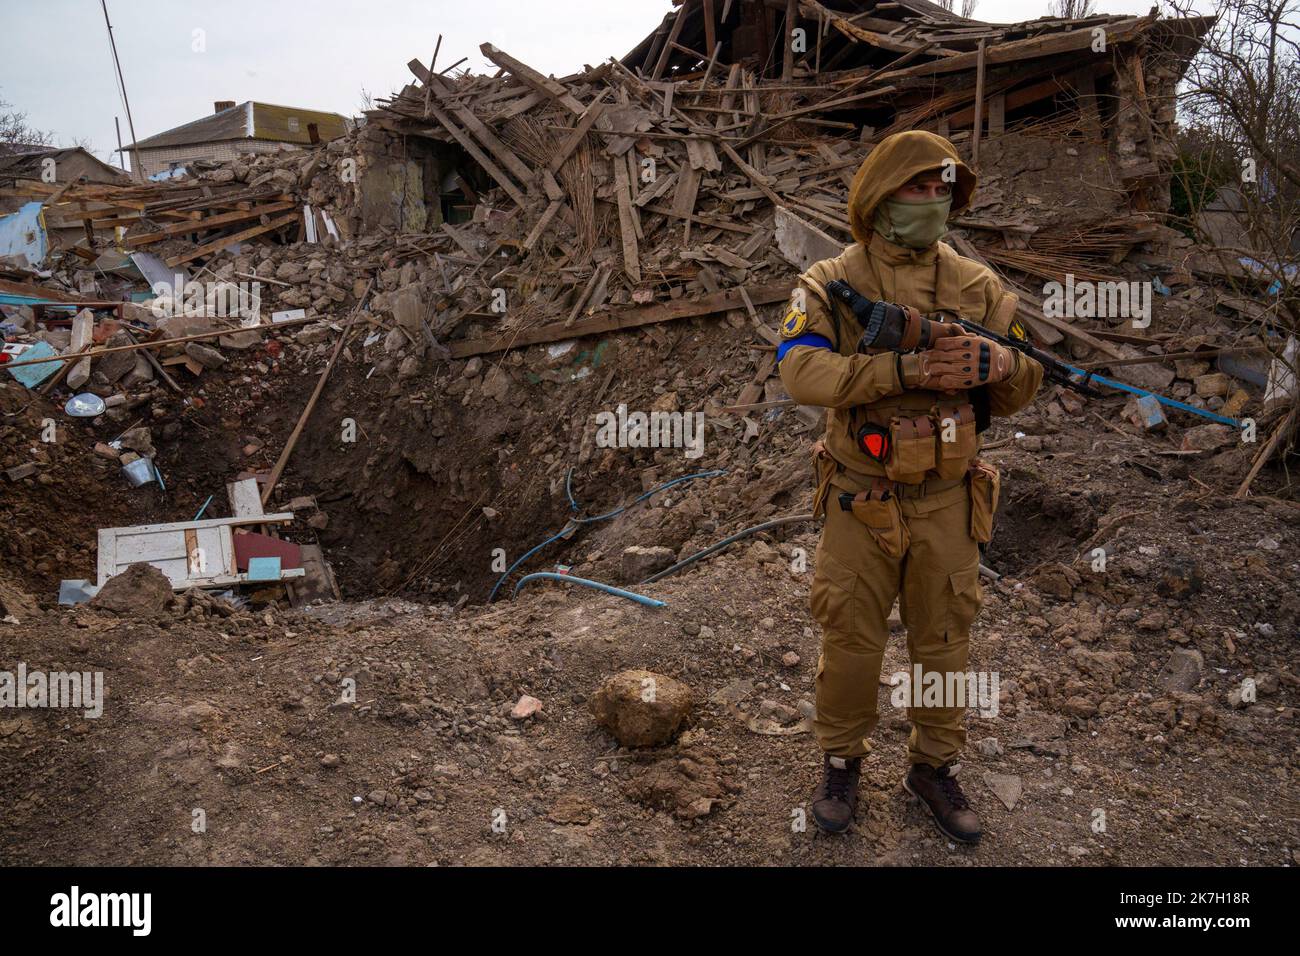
(1172, 403)
(568, 489)
(608, 589)
(575, 523)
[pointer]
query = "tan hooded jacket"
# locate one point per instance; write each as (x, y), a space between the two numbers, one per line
(820, 364)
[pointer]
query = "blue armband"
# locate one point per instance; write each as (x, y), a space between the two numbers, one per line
(811, 339)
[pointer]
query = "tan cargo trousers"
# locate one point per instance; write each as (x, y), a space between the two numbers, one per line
(937, 583)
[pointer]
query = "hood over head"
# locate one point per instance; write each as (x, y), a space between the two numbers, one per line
(894, 161)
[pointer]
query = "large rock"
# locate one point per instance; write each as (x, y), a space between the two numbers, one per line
(1182, 672)
(641, 708)
(241, 341)
(408, 309)
(1209, 437)
(1153, 377)
(409, 368)
(139, 591)
(116, 365)
(638, 562)
(205, 355)
(496, 384)
(179, 326)
(141, 372)
(139, 440)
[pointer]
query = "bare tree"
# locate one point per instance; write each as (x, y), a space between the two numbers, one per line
(967, 7)
(1240, 109)
(1245, 81)
(1239, 161)
(1072, 9)
(15, 130)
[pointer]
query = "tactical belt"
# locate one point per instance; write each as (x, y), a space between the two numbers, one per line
(899, 490)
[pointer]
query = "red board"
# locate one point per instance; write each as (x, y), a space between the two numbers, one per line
(252, 545)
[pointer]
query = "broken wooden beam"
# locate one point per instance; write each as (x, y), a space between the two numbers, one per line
(629, 318)
(218, 244)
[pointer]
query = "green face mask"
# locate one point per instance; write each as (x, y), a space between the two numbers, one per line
(916, 225)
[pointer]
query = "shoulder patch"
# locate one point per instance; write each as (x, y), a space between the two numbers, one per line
(794, 323)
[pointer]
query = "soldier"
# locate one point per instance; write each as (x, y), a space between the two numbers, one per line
(905, 499)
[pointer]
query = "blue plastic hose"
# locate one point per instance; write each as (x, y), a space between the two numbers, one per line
(607, 588)
(575, 523)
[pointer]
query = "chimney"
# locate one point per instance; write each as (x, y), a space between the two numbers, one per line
(220, 105)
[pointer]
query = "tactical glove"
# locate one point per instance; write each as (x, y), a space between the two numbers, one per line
(958, 362)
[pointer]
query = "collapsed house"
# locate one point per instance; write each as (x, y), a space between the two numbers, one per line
(470, 218)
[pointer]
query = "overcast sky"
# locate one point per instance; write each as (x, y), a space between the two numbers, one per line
(180, 56)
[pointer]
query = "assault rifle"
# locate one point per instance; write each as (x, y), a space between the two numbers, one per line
(900, 328)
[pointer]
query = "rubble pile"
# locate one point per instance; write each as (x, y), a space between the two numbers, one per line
(495, 237)
(372, 368)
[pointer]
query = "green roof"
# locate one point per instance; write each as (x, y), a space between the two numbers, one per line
(251, 120)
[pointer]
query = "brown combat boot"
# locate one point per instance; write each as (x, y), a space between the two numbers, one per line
(940, 793)
(836, 798)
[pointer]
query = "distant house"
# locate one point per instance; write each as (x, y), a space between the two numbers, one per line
(69, 165)
(234, 129)
(24, 236)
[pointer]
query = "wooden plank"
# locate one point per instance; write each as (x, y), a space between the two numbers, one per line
(702, 220)
(997, 114)
(244, 500)
(38, 293)
(656, 189)
(753, 174)
(476, 128)
(725, 256)
(710, 28)
(627, 221)
(198, 225)
(283, 460)
(517, 106)
(526, 74)
(281, 517)
(688, 188)
(1027, 94)
(1028, 48)
(543, 222)
(842, 168)
(979, 106)
(1140, 99)
(471, 147)
(589, 116)
(222, 243)
(1089, 109)
(753, 391)
(629, 318)
(678, 22)
(787, 57)
(578, 303)
(160, 343)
